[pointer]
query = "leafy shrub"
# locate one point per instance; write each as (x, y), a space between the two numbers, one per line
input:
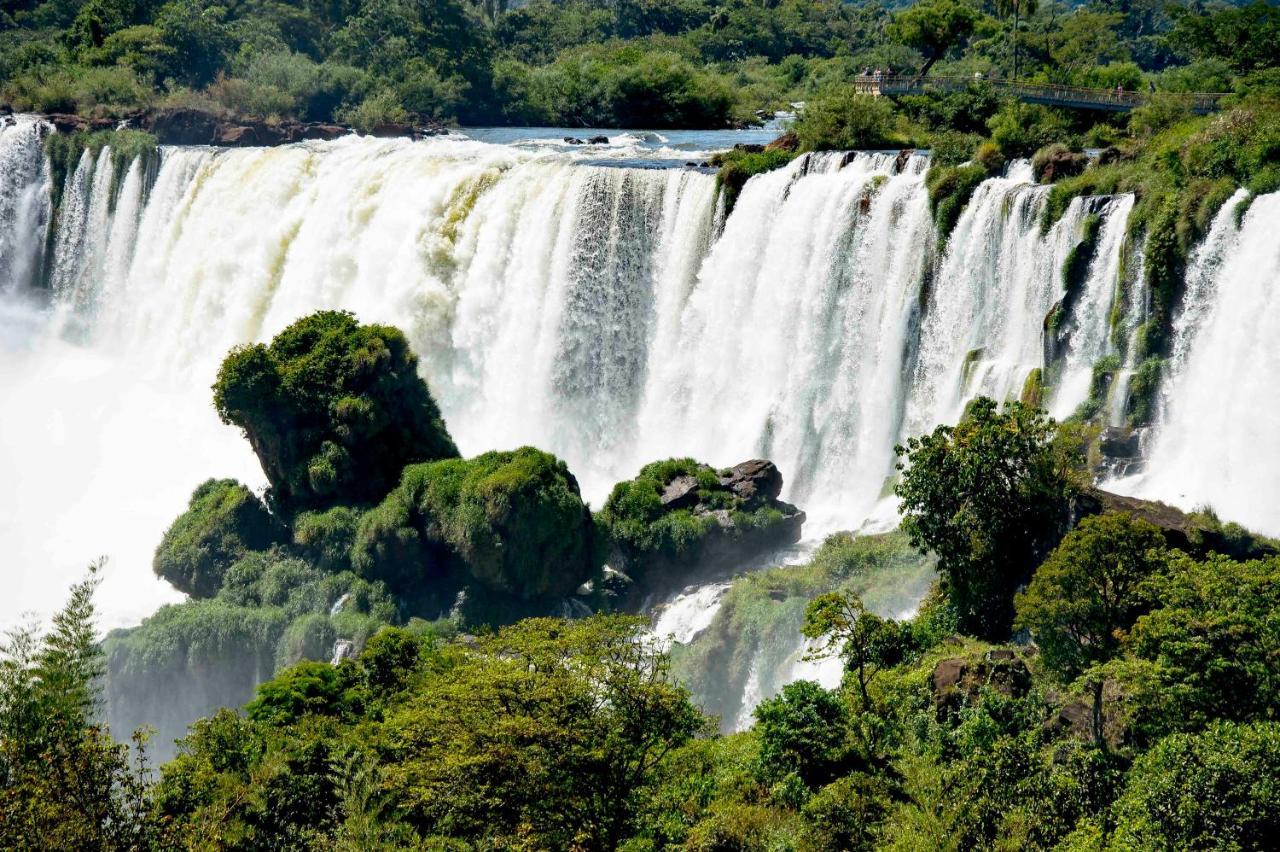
(1021, 129)
(804, 731)
(513, 521)
(325, 538)
(847, 121)
(223, 522)
(1211, 790)
(334, 410)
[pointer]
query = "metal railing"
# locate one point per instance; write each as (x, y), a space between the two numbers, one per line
(1116, 100)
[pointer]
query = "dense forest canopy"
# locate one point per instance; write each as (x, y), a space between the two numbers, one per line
(654, 63)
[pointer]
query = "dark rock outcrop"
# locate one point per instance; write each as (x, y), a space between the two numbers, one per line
(1054, 162)
(1197, 534)
(958, 681)
(680, 522)
(598, 140)
(184, 126)
(788, 141)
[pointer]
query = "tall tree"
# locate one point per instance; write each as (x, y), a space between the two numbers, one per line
(990, 496)
(933, 27)
(1087, 595)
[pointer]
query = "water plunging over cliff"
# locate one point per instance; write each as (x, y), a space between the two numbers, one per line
(1216, 440)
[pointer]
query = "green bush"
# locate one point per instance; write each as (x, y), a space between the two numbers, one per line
(325, 538)
(334, 411)
(512, 521)
(847, 121)
(1021, 129)
(1212, 790)
(223, 522)
(803, 731)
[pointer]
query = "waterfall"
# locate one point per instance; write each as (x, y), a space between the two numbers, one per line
(610, 313)
(1089, 339)
(1216, 442)
(997, 282)
(24, 203)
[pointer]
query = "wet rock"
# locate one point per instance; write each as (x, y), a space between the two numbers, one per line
(392, 129)
(788, 141)
(598, 140)
(681, 493)
(755, 481)
(959, 681)
(182, 126)
(904, 157)
(1118, 443)
(1054, 162)
(749, 148)
(322, 132)
(573, 140)
(1196, 535)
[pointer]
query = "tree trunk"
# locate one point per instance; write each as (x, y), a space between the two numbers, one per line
(1097, 714)
(1016, 24)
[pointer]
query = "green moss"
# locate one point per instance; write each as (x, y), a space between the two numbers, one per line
(334, 411)
(512, 521)
(64, 151)
(1033, 388)
(638, 522)
(738, 166)
(1143, 388)
(950, 188)
(223, 522)
(325, 538)
(1076, 266)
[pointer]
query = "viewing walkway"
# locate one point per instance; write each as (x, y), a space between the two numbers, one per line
(1200, 103)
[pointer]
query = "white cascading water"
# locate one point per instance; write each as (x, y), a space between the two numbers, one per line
(1089, 338)
(998, 279)
(612, 315)
(1215, 444)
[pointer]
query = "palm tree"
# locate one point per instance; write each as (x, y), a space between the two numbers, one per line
(1018, 9)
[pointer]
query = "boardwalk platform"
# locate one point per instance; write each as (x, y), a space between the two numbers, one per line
(1200, 103)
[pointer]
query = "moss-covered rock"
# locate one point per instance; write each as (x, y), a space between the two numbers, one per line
(334, 411)
(1056, 161)
(507, 523)
(950, 188)
(681, 521)
(325, 538)
(223, 522)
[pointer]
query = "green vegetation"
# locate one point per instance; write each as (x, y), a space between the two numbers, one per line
(1142, 717)
(334, 410)
(513, 522)
(762, 614)
(990, 497)
(223, 522)
(678, 515)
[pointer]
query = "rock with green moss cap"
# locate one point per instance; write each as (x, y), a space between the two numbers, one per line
(503, 526)
(223, 522)
(334, 411)
(681, 521)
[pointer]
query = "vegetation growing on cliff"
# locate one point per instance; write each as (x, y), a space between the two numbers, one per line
(334, 410)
